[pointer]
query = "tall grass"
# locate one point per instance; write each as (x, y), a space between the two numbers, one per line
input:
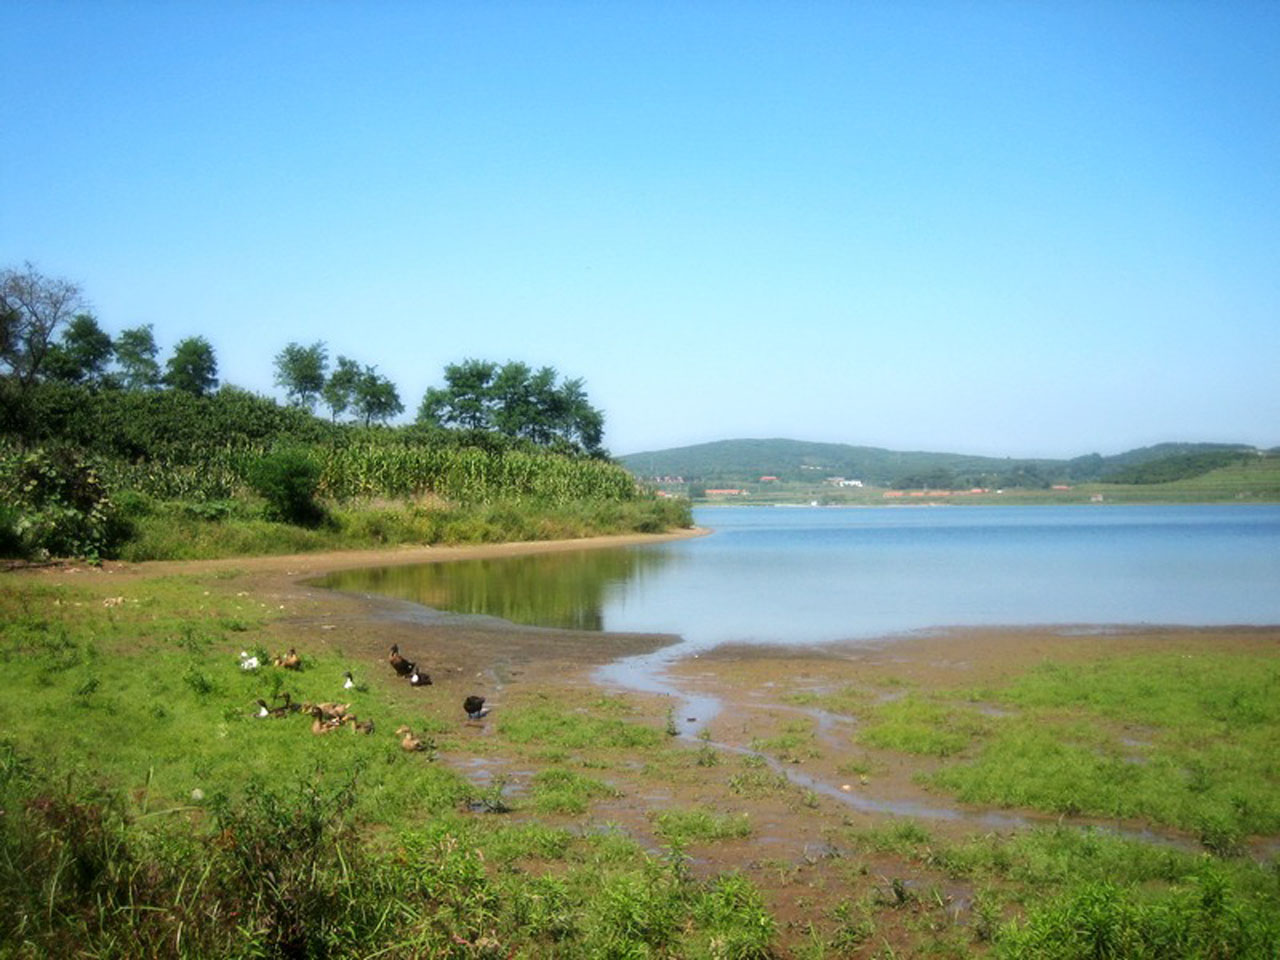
(181, 531)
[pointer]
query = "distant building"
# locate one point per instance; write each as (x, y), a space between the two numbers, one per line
(726, 492)
(768, 479)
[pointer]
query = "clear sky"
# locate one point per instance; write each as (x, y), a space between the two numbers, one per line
(1023, 228)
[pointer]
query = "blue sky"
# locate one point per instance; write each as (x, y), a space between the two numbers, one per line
(1034, 229)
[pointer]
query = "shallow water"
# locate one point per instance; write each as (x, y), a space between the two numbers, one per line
(808, 575)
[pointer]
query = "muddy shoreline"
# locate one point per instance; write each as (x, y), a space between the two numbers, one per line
(754, 687)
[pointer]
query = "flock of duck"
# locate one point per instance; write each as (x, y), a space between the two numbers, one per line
(330, 716)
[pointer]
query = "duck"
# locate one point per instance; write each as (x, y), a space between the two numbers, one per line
(290, 661)
(329, 711)
(248, 662)
(399, 664)
(265, 711)
(321, 726)
(418, 678)
(474, 706)
(348, 681)
(286, 703)
(362, 726)
(333, 711)
(408, 742)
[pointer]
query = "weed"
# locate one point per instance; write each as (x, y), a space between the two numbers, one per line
(854, 925)
(757, 783)
(490, 799)
(563, 791)
(684, 826)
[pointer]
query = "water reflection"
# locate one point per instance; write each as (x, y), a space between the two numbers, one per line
(567, 590)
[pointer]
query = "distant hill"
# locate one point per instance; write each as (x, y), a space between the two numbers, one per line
(732, 462)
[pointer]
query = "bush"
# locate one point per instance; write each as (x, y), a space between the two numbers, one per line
(56, 505)
(288, 480)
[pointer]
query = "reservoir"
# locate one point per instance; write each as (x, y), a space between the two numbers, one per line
(808, 575)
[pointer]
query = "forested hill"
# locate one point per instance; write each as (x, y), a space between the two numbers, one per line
(728, 462)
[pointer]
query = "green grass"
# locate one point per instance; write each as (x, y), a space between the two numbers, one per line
(188, 531)
(148, 812)
(130, 694)
(1182, 740)
(794, 743)
(699, 825)
(545, 724)
(1179, 740)
(1089, 894)
(563, 791)
(914, 724)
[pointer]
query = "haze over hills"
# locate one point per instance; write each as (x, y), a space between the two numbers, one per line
(726, 462)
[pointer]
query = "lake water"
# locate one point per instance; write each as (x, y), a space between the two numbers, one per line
(804, 575)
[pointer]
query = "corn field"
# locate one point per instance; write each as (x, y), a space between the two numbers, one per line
(464, 475)
(467, 475)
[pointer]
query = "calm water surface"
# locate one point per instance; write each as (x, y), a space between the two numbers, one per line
(803, 575)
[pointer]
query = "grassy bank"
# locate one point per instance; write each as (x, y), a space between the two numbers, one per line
(1173, 739)
(148, 810)
(184, 531)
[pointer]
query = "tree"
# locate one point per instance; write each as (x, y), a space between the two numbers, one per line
(136, 357)
(577, 420)
(516, 402)
(32, 308)
(82, 354)
(339, 391)
(301, 371)
(192, 368)
(466, 401)
(376, 397)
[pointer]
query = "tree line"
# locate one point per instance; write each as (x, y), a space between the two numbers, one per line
(48, 335)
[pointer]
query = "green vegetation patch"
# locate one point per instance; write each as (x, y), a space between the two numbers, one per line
(563, 791)
(1087, 893)
(548, 725)
(914, 724)
(701, 825)
(1179, 739)
(1186, 740)
(793, 743)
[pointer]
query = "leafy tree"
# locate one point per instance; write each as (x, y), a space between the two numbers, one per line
(82, 354)
(466, 401)
(938, 479)
(375, 397)
(301, 371)
(339, 391)
(136, 357)
(192, 368)
(577, 420)
(517, 402)
(32, 308)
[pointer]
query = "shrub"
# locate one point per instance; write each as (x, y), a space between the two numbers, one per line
(56, 505)
(288, 480)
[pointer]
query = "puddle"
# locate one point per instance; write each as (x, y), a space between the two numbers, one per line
(690, 712)
(694, 711)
